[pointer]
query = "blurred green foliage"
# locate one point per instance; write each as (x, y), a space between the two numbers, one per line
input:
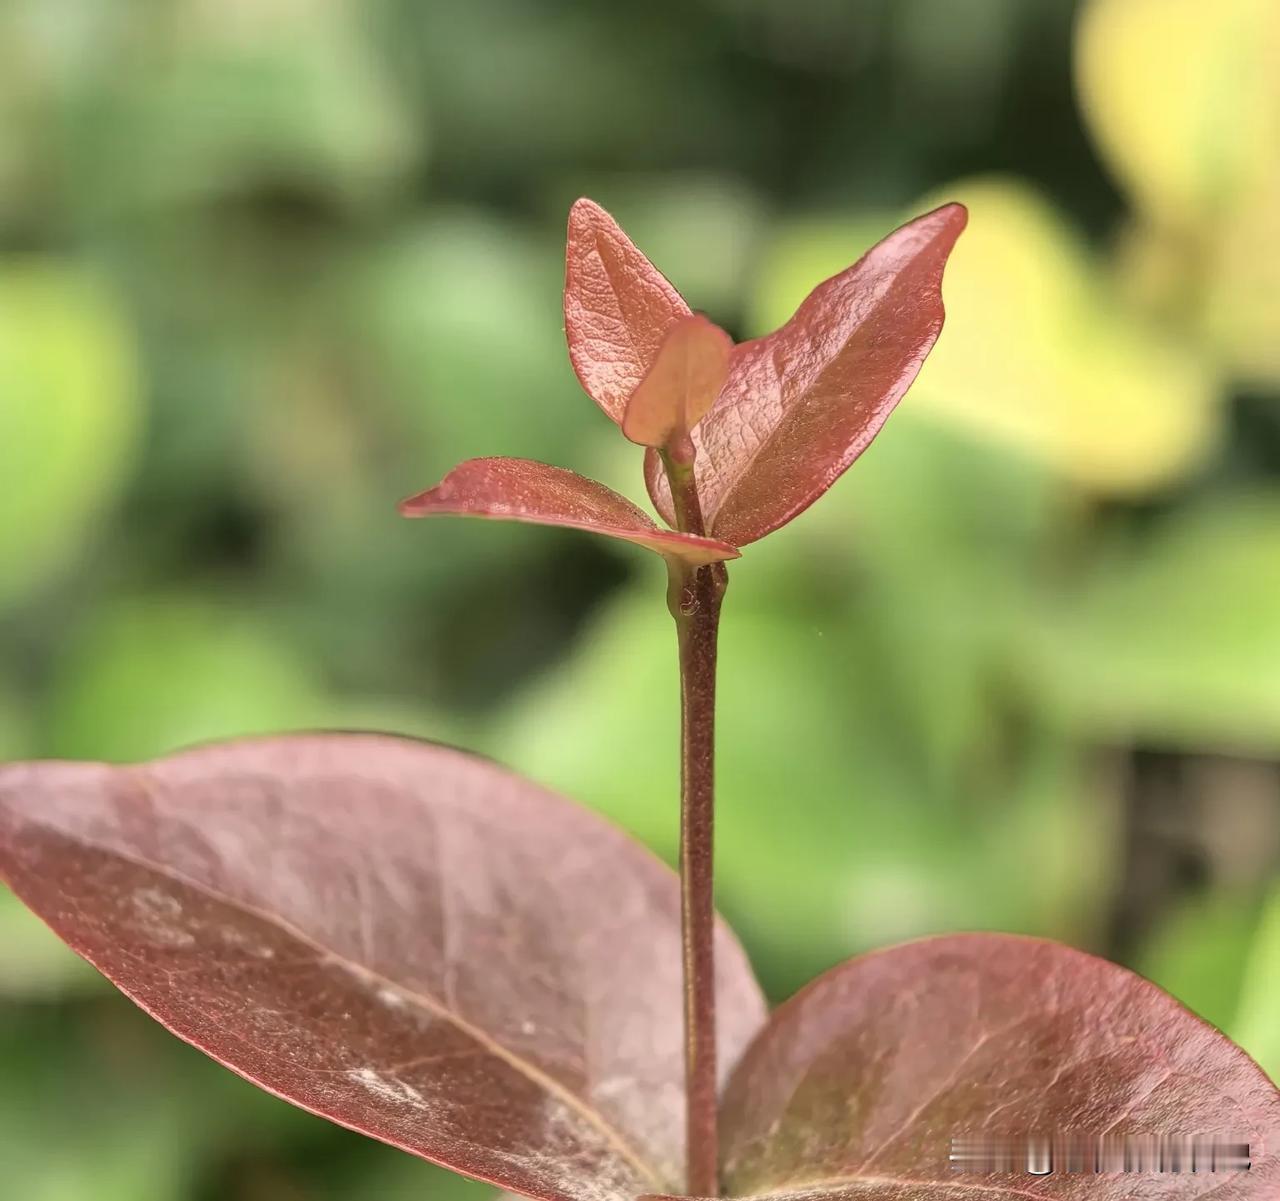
(269, 266)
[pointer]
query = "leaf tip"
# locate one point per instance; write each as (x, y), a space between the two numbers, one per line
(706, 328)
(585, 211)
(420, 504)
(683, 381)
(412, 506)
(451, 494)
(949, 219)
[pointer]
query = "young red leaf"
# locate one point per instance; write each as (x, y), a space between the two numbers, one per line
(681, 385)
(617, 308)
(802, 403)
(858, 1084)
(522, 490)
(395, 935)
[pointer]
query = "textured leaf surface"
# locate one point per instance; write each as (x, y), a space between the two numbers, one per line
(803, 402)
(395, 935)
(617, 308)
(858, 1083)
(522, 490)
(682, 384)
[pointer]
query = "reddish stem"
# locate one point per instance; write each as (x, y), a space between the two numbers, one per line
(694, 597)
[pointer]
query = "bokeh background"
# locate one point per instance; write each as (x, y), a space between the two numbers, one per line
(270, 265)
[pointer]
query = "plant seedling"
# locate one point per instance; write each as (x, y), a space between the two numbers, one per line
(418, 945)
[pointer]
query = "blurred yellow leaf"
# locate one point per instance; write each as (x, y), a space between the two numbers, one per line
(1183, 98)
(69, 415)
(1241, 304)
(1037, 354)
(1184, 101)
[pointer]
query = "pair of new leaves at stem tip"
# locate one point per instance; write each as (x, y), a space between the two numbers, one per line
(769, 424)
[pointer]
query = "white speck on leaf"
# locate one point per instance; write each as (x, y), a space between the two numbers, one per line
(396, 1091)
(159, 919)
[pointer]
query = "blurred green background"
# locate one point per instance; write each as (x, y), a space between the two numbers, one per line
(270, 265)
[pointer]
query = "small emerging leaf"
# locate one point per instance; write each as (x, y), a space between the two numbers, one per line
(803, 402)
(522, 490)
(617, 308)
(397, 936)
(683, 383)
(860, 1081)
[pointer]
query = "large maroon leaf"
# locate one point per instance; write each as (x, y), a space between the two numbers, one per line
(681, 385)
(803, 402)
(617, 307)
(398, 936)
(522, 490)
(857, 1085)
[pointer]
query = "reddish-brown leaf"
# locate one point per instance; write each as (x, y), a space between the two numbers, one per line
(522, 490)
(617, 308)
(681, 385)
(856, 1086)
(802, 403)
(395, 935)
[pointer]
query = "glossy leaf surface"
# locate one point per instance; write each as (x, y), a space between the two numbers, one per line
(858, 1083)
(522, 490)
(802, 403)
(683, 383)
(395, 935)
(617, 308)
